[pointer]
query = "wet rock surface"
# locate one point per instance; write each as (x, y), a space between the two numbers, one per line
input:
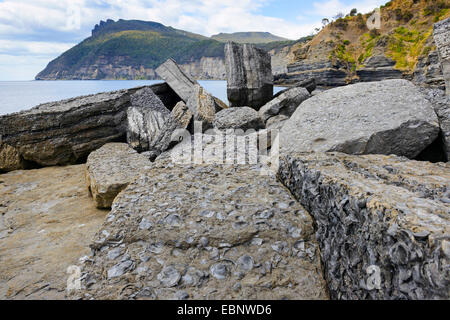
(65, 132)
(150, 124)
(204, 232)
(110, 169)
(243, 118)
(249, 75)
(385, 117)
(441, 33)
(376, 211)
(284, 104)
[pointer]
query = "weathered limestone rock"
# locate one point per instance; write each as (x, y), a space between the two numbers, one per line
(10, 158)
(183, 116)
(442, 38)
(177, 79)
(110, 169)
(214, 232)
(386, 117)
(249, 75)
(65, 132)
(202, 106)
(376, 216)
(238, 118)
(284, 104)
(150, 123)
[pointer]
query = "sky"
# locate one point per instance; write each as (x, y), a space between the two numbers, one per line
(34, 32)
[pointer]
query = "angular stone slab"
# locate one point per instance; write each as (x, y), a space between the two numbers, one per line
(382, 214)
(110, 169)
(177, 79)
(204, 232)
(243, 118)
(249, 75)
(441, 33)
(385, 117)
(284, 104)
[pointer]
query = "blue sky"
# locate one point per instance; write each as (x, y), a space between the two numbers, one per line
(33, 32)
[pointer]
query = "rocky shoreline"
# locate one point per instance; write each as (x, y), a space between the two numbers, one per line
(336, 193)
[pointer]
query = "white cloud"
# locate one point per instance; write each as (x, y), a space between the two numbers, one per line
(330, 8)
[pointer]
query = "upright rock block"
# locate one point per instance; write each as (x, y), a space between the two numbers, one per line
(249, 75)
(442, 39)
(177, 79)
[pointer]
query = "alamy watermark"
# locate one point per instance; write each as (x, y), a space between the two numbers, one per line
(228, 147)
(374, 21)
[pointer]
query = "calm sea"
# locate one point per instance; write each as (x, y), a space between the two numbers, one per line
(22, 95)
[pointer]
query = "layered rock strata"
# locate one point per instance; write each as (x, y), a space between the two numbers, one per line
(249, 75)
(441, 35)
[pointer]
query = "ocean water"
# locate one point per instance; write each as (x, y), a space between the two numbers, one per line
(22, 95)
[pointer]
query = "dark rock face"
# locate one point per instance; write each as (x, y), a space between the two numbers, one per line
(249, 75)
(65, 132)
(384, 117)
(150, 124)
(376, 215)
(177, 79)
(243, 118)
(442, 38)
(213, 232)
(378, 68)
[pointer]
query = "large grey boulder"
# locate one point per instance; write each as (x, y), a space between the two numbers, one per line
(244, 118)
(382, 222)
(150, 124)
(442, 39)
(177, 79)
(203, 106)
(110, 169)
(284, 104)
(65, 132)
(204, 232)
(386, 117)
(249, 75)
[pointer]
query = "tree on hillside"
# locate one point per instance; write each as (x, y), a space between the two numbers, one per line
(353, 12)
(325, 21)
(339, 15)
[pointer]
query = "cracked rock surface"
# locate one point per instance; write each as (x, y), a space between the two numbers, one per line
(374, 210)
(204, 232)
(110, 169)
